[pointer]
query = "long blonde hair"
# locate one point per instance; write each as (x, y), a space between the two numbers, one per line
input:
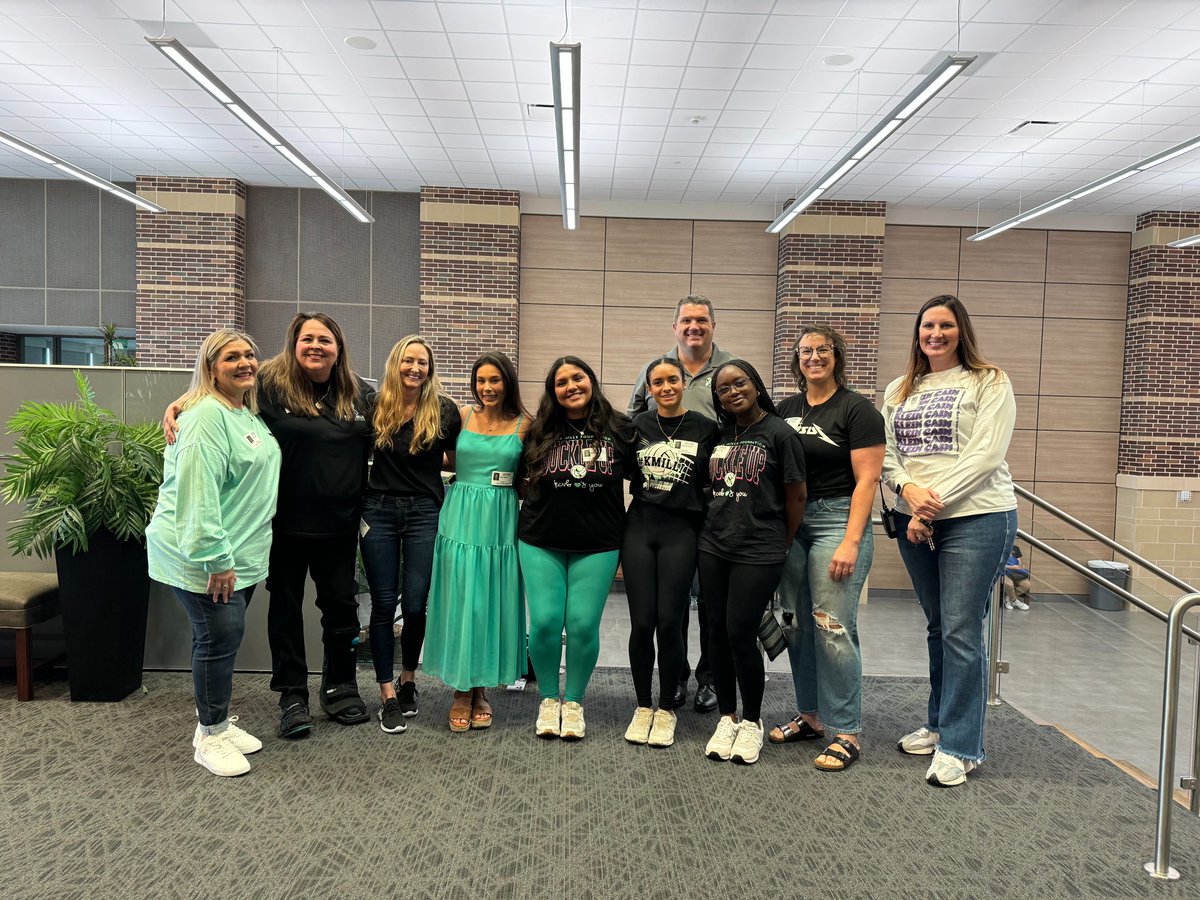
(389, 406)
(969, 356)
(204, 383)
(283, 377)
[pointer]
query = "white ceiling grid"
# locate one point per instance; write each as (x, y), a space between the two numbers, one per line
(726, 101)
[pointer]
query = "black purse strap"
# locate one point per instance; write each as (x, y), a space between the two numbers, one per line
(882, 502)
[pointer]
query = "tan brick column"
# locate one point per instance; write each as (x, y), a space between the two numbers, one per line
(831, 271)
(1159, 451)
(470, 277)
(191, 266)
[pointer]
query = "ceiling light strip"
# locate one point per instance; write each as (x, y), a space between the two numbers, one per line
(1189, 241)
(42, 156)
(199, 73)
(564, 77)
(1089, 188)
(945, 72)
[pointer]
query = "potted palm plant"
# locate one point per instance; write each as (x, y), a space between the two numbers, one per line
(89, 483)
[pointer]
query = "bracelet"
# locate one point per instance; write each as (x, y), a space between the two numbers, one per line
(925, 522)
(900, 486)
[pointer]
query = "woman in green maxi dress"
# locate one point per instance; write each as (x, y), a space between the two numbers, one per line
(476, 618)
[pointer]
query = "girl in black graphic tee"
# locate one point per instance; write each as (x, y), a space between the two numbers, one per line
(756, 479)
(658, 553)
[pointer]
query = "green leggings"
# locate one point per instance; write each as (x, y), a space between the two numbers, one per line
(565, 590)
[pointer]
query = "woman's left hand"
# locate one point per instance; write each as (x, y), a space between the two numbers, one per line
(221, 585)
(844, 559)
(918, 532)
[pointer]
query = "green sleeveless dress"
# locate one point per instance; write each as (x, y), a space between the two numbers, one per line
(476, 612)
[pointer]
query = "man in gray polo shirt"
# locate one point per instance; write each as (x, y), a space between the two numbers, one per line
(695, 321)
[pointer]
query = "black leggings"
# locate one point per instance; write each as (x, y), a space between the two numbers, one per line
(658, 558)
(737, 594)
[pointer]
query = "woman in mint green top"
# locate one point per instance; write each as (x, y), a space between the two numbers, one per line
(476, 618)
(210, 536)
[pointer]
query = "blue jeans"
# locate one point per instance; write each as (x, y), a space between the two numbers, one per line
(954, 583)
(400, 531)
(825, 655)
(217, 630)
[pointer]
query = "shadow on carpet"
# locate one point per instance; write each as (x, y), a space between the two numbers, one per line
(105, 801)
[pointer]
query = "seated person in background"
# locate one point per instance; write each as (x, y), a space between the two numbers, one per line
(1016, 582)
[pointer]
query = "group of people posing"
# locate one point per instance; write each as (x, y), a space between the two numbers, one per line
(269, 479)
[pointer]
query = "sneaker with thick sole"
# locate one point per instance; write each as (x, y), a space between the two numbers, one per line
(391, 719)
(748, 743)
(920, 743)
(549, 718)
(407, 694)
(638, 731)
(295, 721)
(662, 732)
(720, 745)
(244, 741)
(573, 727)
(948, 771)
(217, 753)
(1008, 604)
(1021, 604)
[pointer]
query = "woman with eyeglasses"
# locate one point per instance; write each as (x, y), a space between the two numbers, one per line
(949, 420)
(828, 563)
(756, 478)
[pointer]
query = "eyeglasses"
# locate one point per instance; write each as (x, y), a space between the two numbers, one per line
(807, 352)
(739, 385)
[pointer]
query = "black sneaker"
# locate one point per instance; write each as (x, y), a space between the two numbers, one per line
(407, 693)
(295, 721)
(391, 719)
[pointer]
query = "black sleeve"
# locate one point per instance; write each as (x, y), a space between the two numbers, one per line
(451, 424)
(864, 425)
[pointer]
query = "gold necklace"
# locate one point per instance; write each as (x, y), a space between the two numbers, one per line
(669, 437)
(579, 431)
(737, 437)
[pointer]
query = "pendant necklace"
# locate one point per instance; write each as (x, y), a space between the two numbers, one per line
(669, 437)
(319, 401)
(579, 431)
(737, 437)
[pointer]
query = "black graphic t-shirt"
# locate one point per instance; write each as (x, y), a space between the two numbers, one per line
(577, 505)
(672, 460)
(746, 520)
(829, 431)
(399, 473)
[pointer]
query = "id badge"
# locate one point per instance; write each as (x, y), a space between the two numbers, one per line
(688, 448)
(253, 440)
(502, 479)
(589, 454)
(721, 451)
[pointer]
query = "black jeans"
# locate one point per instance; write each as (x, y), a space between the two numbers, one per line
(737, 595)
(331, 562)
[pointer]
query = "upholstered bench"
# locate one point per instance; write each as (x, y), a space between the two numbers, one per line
(26, 598)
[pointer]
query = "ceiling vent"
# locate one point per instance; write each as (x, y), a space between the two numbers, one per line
(1035, 129)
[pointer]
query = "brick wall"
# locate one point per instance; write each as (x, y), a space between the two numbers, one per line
(830, 271)
(191, 265)
(8, 347)
(470, 277)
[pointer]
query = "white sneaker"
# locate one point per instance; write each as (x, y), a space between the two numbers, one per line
(638, 731)
(548, 718)
(1020, 604)
(217, 753)
(720, 745)
(1008, 604)
(244, 741)
(920, 743)
(573, 727)
(662, 732)
(947, 770)
(748, 743)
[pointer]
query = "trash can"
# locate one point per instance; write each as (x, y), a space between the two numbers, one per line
(1117, 573)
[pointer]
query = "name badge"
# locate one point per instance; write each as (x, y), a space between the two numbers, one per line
(502, 479)
(589, 454)
(690, 448)
(603, 454)
(253, 439)
(721, 451)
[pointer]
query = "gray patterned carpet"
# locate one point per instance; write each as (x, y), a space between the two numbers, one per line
(105, 801)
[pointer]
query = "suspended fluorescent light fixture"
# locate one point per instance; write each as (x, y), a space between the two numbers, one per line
(945, 72)
(1189, 241)
(1089, 188)
(564, 76)
(42, 156)
(199, 73)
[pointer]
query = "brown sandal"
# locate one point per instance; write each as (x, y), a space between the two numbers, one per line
(481, 710)
(460, 712)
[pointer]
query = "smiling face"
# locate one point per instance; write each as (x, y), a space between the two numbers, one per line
(736, 391)
(316, 350)
(414, 367)
(572, 390)
(666, 387)
(937, 336)
(694, 329)
(817, 360)
(234, 370)
(489, 387)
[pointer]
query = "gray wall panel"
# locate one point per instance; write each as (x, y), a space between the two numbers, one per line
(72, 307)
(334, 253)
(22, 235)
(266, 322)
(390, 324)
(23, 306)
(395, 250)
(72, 235)
(118, 244)
(355, 320)
(272, 222)
(119, 307)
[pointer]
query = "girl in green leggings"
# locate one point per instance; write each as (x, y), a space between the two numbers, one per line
(575, 458)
